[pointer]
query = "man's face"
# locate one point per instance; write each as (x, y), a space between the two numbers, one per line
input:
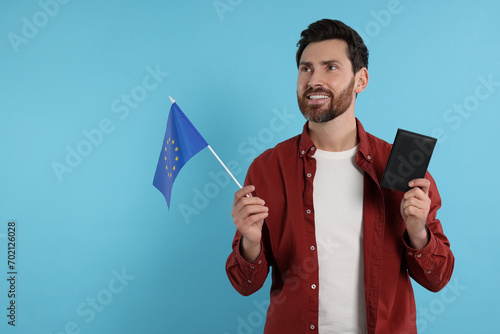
(325, 84)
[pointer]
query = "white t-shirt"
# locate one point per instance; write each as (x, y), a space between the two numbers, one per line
(338, 207)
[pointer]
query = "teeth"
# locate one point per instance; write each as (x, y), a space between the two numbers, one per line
(317, 97)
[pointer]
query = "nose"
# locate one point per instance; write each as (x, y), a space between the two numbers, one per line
(316, 80)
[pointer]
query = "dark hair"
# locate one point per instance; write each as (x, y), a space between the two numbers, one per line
(332, 29)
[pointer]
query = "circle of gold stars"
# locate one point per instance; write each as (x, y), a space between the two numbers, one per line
(171, 145)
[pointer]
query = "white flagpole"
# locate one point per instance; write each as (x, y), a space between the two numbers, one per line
(215, 154)
(227, 170)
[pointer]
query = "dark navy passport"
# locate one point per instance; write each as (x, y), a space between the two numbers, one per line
(409, 158)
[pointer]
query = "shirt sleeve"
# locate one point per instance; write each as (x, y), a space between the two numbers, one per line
(247, 277)
(432, 265)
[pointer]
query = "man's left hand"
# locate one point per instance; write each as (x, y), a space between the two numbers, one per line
(415, 208)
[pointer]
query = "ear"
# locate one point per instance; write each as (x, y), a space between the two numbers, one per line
(361, 80)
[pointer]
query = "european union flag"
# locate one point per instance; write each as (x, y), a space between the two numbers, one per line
(182, 141)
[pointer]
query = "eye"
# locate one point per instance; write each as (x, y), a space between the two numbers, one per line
(331, 67)
(305, 69)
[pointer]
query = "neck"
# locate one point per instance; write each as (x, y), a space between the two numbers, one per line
(339, 134)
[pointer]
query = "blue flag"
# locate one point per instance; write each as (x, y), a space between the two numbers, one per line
(182, 141)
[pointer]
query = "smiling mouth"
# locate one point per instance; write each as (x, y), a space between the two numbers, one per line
(318, 97)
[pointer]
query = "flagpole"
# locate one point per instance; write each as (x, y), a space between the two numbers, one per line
(215, 154)
(227, 170)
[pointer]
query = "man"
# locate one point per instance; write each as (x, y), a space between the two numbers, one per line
(341, 248)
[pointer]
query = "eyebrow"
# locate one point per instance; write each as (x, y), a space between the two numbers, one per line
(324, 62)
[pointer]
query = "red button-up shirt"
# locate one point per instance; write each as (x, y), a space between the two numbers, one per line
(283, 177)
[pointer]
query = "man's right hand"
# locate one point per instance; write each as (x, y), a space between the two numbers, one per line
(248, 215)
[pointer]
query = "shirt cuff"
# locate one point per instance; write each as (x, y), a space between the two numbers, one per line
(250, 265)
(427, 247)
(422, 258)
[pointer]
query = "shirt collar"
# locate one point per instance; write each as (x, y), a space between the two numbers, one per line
(306, 145)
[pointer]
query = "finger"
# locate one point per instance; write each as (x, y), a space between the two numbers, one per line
(247, 206)
(415, 202)
(416, 212)
(243, 211)
(252, 219)
(423, 184)
(243, 192)
(250, 215)
(412, 211)
(416, 197)
(418, 193)
(247, 201)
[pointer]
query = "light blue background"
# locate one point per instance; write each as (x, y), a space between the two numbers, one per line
(232, 70)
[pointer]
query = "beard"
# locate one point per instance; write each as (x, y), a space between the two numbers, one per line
(324, 113)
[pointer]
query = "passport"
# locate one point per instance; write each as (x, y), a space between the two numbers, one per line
(409, 158)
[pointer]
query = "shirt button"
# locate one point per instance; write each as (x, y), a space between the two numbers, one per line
(260, 261)
(309, 174)
(410, 253)
(249, 281)
(313, 248)
(252, 267)
(369, 157)
(312, 148)
(429, 272)
(313, 286)
(312, 327)
(303, 152)
(419, 255)
(308, 211)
